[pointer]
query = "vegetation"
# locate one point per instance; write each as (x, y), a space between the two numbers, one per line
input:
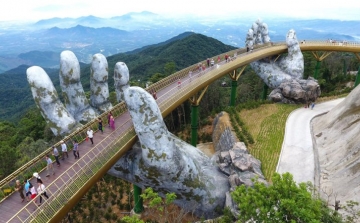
(267, 125)
(281, 201)
(108, 200)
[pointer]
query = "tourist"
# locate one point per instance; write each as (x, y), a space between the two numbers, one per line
(37, 176)
(312, 105)
(100, 125)
(33, 193)
(190, 75)
(218, 59)
(64, 150)
(112, 122)
(76, 149)
(19, 187)
(179, 83)
(49, 166)
(212, 62)
(56, 155)
(41, 190)
(154, 95)
(27, 189)
(90, 133)
(208, 62)
(108, 116)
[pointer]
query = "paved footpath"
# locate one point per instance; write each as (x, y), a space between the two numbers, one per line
(297, 154)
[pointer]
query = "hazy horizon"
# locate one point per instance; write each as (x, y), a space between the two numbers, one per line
(32, 11)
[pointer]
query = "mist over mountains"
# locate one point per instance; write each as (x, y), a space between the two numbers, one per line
(85, 36)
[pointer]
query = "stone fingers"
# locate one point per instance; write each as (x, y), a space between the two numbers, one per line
(293, 63)
(46, 99)
(121, 79)
(99, 98)
(74, 96)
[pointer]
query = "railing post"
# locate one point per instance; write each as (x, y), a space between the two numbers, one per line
(194, 123)
(317, 68)
(234, 79)
(357, 80)
(233, 92)
(138, 208)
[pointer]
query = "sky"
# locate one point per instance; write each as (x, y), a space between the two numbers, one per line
(34, 10)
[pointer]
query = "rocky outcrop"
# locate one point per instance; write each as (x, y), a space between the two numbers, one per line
(234, 159)
(296, 91)
(338, 144)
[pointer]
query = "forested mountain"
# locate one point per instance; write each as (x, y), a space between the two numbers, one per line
(181, 51)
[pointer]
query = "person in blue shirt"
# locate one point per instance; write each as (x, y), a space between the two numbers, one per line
(27, 189)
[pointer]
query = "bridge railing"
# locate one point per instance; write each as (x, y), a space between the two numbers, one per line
(70, 182)
(37, 164)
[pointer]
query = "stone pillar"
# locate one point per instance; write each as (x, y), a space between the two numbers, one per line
(317, 68)
(194, 123)
(138, 200)
(233, 92)
(264, 92)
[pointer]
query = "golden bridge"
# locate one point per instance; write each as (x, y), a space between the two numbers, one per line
(75, 177)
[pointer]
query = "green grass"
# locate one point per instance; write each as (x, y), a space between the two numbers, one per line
(267, 125)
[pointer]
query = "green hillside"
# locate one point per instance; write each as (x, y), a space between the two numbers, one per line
(183, 50)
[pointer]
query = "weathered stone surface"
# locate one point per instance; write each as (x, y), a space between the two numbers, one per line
(223, 138)
(164, 162)
(338, 145)
(64, 119)
(235, 162)
(99, 83)
(285, 74)
(234, 180)
(74, 96)
(47, 100)
(225, 157)
(232, 205)
(296, 91)
(225, 168)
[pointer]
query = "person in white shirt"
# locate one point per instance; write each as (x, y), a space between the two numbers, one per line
(90, 134)
(41, 190)
(64, 150)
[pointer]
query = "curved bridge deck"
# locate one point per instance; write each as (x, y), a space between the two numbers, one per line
(75, 177)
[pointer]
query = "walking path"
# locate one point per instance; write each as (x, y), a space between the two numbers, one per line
(297, 153)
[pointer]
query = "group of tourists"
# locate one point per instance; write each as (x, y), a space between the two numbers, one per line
(30, 191)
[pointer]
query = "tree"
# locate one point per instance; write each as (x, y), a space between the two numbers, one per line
(353, 214)
(169, 68)
(131, 219)
(282, 201)
(158, 203)
(156, 77)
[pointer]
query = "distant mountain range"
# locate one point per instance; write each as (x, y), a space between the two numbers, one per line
(185, 49)
(88, 35)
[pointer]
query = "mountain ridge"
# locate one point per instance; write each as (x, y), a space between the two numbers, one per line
(17, 97)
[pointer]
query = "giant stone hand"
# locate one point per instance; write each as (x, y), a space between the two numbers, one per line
(159, 159)
(64, 119)
(285, 75)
